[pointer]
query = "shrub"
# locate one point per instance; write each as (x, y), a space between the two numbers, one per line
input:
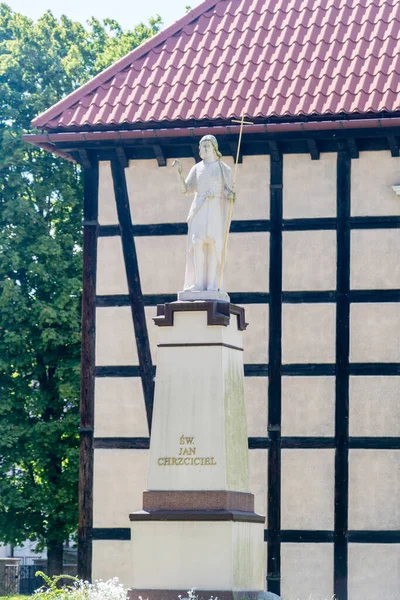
(79, 590)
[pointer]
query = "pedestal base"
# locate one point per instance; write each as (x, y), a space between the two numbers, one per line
(188, 295)
(200, 595)
(219, 557)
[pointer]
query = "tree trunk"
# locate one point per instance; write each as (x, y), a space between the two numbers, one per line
(54, 558)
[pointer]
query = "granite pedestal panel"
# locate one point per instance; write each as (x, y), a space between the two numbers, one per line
(198, 528)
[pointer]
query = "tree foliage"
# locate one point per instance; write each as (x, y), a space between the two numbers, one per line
(40, 272)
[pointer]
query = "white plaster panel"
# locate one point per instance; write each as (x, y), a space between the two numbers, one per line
(255, 338)
(375, 258)
(372, 177)
(256, 395)
(155, 193)
(111, 274)
(307, 489)
(374, 406)
(374, 489)
(252, 188)
(258, 470)
(119, 409)
(308, 333)
(115, 338)
(374, 571)
(245, 249)
(309, 260)
(120, 476)
(112, 558)
(374, 332)
(308, 406)
(161, 263)
(145, 179)
(309, 186)
(107, 206)
(307, 571)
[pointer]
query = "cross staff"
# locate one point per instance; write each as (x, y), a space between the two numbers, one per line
(228, 223)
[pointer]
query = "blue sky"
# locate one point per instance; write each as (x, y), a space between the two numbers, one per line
(127, 12)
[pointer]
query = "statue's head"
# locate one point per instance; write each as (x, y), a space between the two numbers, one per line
(208, 148)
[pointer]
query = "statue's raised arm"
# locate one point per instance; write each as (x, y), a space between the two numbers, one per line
(187, 185)
(211, 182)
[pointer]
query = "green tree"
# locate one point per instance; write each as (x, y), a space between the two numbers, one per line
(40, 274)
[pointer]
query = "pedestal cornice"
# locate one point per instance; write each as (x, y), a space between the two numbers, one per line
(218, 313)
(197, 515)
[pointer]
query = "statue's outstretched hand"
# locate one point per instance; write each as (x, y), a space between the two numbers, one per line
(180, 168)
(231, 196)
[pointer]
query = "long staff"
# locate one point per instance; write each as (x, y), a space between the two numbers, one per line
(228, 223)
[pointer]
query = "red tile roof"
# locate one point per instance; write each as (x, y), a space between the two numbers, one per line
(261, 58)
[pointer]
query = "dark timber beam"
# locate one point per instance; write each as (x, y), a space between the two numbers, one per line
(275, 374)
(195, 151)
(393, 143)
(124, 443)
(112, 533)
(352, 148)
(341, 517)
(263, 443)
(134, 286)
(160, 155)
(122, 157)
(274, 150)
(90, 229)
(299, 536)
(234, 147)
(262, 369)
(302, 297)
(84, 158)
(313, 149)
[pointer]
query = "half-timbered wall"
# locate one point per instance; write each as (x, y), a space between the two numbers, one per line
(314, 259)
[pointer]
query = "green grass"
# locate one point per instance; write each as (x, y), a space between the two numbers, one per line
(15, 597)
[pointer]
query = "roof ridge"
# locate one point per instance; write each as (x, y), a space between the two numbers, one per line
(122, 63)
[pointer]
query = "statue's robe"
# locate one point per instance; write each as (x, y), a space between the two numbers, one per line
(207, 217)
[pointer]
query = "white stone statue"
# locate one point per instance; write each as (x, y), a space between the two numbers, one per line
(211, 183)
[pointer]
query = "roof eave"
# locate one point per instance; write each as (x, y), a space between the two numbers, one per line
(49, 141)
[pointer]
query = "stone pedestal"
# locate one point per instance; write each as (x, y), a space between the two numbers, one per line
(198, 528)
